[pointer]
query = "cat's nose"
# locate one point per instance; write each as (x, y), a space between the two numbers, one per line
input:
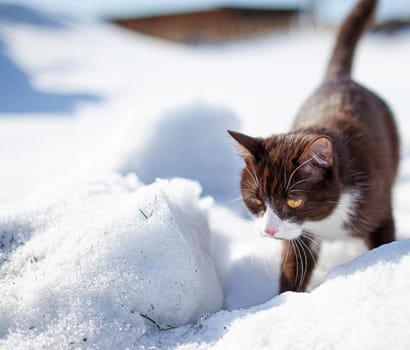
(270, 231)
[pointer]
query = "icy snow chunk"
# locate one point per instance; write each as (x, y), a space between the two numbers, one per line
(171, 257)
(105, 259)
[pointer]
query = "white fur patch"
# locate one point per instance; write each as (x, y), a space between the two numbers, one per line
(285, 229)
(331, 228)
(334, 226)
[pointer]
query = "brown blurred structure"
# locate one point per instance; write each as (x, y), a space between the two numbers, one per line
(212, 25)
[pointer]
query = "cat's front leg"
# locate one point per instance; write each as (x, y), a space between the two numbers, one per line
(299, 258)
(383, 234)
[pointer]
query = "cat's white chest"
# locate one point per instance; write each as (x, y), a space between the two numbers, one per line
(334, 226)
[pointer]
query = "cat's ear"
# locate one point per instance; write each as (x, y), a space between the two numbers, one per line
(320, 151)
(248, 145)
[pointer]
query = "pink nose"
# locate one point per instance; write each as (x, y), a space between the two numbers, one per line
(270, 231)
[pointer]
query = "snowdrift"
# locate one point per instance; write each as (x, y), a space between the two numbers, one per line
(362, 305)
(117, 265)
(93, 264)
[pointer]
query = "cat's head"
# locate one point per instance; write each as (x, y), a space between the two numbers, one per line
(288, 181)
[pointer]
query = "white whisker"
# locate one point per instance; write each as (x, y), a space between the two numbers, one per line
(301, 263)
(233, 200)
(304, 191)
(254, 173)
(296, 260)
(311, 239)
(286, 258)
(299, 182)
(251, 191)
(310, 251)
(316, 235)
(306, 263)
(256, 182)
(294, 172)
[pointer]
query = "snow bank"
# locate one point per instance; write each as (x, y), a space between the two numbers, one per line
(93, 263)
(362, 305)
(80, 271)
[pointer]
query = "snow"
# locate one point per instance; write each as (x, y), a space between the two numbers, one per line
(333, 11)
(129, 8)
(92, 243)
(94, 263)
(177, 127)
(324, 11)
(359, 306)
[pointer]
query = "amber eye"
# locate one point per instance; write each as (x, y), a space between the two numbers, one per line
(256, 201)
(295, 203)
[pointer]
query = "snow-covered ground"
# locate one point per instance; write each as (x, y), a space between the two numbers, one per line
(97, 253)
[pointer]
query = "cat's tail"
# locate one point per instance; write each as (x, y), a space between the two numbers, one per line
(340, 64)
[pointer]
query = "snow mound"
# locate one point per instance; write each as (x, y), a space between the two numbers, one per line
(362, 305)
(92, 264)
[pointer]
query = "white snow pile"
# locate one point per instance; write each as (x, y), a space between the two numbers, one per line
(122, 265)
(362, 305)
(91, 265)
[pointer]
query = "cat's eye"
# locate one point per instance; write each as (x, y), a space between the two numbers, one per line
(256, 201)
(295, 203)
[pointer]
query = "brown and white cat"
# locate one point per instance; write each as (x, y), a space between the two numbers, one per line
(332, 175)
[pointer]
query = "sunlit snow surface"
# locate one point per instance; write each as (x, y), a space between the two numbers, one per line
(96, 253)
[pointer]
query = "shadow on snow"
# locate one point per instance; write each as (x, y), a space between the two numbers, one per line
(17, 93)
(192, 142)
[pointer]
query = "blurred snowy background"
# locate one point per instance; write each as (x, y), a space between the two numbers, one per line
(92, 113)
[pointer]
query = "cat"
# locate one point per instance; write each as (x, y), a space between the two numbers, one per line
(331, 176)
